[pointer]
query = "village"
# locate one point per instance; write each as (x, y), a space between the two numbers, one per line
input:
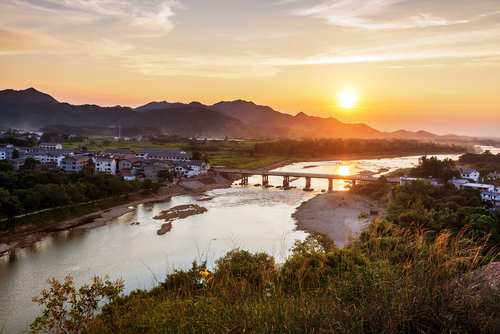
(130, 165)
(147, 163)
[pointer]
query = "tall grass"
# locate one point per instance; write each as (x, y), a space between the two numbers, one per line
(390, 280)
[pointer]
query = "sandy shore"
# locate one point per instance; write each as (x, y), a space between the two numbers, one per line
(335, 213)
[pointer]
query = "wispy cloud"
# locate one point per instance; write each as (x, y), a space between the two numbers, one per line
(374, 15)
(80, 22)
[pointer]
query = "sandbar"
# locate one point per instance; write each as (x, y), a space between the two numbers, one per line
(338, 214)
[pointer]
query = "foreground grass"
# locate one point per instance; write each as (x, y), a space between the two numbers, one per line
(391, 280)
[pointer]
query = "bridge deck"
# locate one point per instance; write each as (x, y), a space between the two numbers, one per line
(298, 174)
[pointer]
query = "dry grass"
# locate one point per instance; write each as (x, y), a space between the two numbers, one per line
(391, 280)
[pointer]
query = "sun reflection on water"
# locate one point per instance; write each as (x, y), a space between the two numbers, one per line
(345, 170)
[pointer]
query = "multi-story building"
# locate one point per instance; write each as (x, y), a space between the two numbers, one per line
(74, 163)
(106, 165)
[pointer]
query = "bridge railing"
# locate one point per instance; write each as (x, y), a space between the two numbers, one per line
(299, 174)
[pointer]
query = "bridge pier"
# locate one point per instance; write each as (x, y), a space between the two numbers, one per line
(353, 183)
(265, 180)
(244, 179)
(308, 182)
(330, 184)
(286, 181)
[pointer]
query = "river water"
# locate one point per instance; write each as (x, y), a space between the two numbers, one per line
(248, 217)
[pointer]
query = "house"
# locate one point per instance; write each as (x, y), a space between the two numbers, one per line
(151, 171)
(17, 163)
(47, 166)
(56, 146)
(182, 170)
(493, 176)
(458, 183)
(480, 187)
(468, 173)
(435, 181)
(493, 196)
(74, 163)
(130, 163)
(105, 165)
(49, 155)
(170, 155)
(199, 166)
(6, 152)
(128, 174)
(112, 153)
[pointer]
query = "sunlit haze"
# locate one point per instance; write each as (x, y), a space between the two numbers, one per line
(414, 65)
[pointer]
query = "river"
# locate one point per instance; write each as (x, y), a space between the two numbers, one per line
(248, 217)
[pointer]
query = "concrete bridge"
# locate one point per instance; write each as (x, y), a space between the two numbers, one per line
(245, 173)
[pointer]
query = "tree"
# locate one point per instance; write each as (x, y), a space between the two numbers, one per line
(10, 206)
(164, 175)
(30, 163)
(6, 166)
(69, 310)
(15, 154)
(147, 184)
(196, 155)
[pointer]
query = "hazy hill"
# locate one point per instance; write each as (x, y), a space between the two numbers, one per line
(190, 120)
(30, 95)
(158, 105)
(264, 116)
(31, 109)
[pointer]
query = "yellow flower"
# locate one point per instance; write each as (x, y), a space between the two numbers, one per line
(205, 273)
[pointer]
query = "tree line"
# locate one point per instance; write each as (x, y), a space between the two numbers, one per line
(30, 191)
(315, 147)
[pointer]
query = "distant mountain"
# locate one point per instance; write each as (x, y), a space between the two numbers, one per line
(30, 109)
(191, 120)
(158, 105)
(264, 116)
(30, 95)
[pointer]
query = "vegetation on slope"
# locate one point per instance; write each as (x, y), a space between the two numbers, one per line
(391, 280)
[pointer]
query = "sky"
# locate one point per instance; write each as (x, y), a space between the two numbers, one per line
(415, 65)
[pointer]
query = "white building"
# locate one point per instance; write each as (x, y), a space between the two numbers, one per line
(468, 173)
(55, 146)
(74, 163)
(493, 196)
(106, 165)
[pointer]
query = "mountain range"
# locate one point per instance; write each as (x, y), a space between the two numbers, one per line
(31, 110)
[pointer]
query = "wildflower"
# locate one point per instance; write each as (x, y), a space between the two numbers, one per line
(205, 273)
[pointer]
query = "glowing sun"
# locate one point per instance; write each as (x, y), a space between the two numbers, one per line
(347, 99)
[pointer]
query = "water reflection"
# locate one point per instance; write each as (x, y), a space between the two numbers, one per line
(344, 170)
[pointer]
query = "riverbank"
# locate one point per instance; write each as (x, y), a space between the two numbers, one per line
(92, 220)
(341, 215)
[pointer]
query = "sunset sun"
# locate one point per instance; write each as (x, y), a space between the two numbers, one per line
(347, 99)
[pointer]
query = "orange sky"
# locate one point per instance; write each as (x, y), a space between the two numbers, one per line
(414, 65)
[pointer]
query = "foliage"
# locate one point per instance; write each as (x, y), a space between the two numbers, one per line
(374, 190)
(391, 280)
(30, 191)
(433, 167)
(69, 310)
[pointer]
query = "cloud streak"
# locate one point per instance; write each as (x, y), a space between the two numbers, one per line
(374, 15)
